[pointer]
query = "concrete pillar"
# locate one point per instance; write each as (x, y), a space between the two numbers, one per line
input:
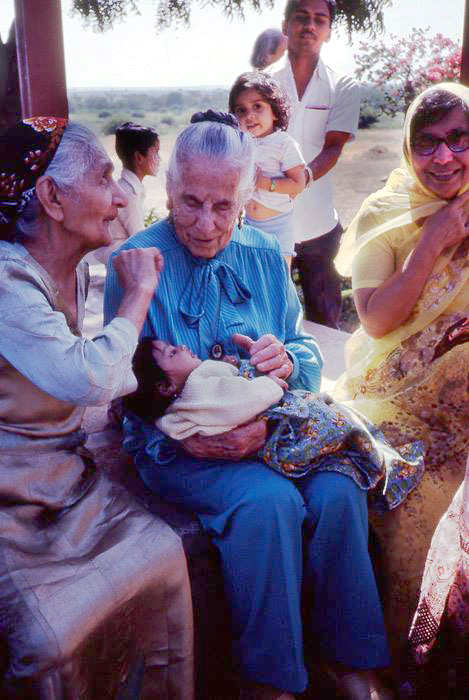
(41, 62)
(10, 107)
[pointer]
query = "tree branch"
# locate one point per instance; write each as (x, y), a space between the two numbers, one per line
(102, 15)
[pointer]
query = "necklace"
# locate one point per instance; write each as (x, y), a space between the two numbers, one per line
(216, 350)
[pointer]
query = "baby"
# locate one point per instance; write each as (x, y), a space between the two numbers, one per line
(184, 395)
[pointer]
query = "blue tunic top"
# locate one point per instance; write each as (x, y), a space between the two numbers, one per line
(246, 288)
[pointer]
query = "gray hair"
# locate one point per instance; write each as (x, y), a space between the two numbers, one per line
(77, 153)
(218, 142)
(265, 45)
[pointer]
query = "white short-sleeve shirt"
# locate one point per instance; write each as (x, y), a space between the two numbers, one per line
(130, 219)
(274, 154)
(331, 102)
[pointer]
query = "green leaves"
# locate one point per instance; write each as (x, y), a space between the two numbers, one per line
(103, 14)
(404, 66)
(361, 15)
(354, 15)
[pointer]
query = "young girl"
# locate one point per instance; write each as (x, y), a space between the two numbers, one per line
(184, 395)
(262, 109)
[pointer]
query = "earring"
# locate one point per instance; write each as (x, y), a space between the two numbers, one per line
(240, 220)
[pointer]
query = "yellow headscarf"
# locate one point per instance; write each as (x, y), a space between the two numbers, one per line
(403, 200)
(402, 204)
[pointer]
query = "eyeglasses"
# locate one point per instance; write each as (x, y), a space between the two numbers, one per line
(425, 144)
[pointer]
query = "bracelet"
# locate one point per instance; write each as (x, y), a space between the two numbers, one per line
(273, 185)
(309, 176)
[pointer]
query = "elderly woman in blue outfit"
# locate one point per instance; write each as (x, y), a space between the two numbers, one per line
(222, 279)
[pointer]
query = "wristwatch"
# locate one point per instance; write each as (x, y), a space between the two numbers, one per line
(273, 184)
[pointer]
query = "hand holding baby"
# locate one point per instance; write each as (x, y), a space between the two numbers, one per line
(268, 355)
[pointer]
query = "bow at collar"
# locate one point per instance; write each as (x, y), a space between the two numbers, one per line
(196, 300)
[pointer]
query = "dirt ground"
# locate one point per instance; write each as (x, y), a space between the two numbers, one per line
(364, 167)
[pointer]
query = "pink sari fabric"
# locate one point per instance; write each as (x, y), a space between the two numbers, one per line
(445, 584)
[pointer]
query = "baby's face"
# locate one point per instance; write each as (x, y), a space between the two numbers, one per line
(176, 361)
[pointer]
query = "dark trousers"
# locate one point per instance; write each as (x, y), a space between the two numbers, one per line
(318, 277)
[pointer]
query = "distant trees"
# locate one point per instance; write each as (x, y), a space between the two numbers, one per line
(150, 100)
(165, 109)
(174, 99)
(355, 15)
(404, 66)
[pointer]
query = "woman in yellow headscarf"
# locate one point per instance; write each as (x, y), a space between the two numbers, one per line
(408, 364)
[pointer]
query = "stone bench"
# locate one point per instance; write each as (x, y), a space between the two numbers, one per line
(215, 676)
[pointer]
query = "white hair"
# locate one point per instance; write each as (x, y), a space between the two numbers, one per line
(221, 143)
(77, 153)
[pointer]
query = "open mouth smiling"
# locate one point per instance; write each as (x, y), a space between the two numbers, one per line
(444, 176)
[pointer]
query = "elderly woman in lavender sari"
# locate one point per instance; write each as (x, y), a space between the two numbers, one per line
(91, 585)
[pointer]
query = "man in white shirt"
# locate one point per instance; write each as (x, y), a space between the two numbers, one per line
(132, 218)
(324, 117)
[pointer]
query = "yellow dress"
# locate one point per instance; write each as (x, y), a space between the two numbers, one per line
(412, 383)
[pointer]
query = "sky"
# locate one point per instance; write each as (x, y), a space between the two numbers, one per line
(213, 51)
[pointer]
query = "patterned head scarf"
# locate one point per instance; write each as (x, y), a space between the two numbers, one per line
(25, 153)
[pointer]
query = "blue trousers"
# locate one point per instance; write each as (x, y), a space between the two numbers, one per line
(272, 533)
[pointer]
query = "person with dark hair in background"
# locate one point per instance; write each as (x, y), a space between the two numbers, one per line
(324, 117)
(137, 147)
(269, 48)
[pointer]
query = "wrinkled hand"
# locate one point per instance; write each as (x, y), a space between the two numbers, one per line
(234, 445)
(450, 224)
(281, 382)
(138, 268)
(267, 354)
